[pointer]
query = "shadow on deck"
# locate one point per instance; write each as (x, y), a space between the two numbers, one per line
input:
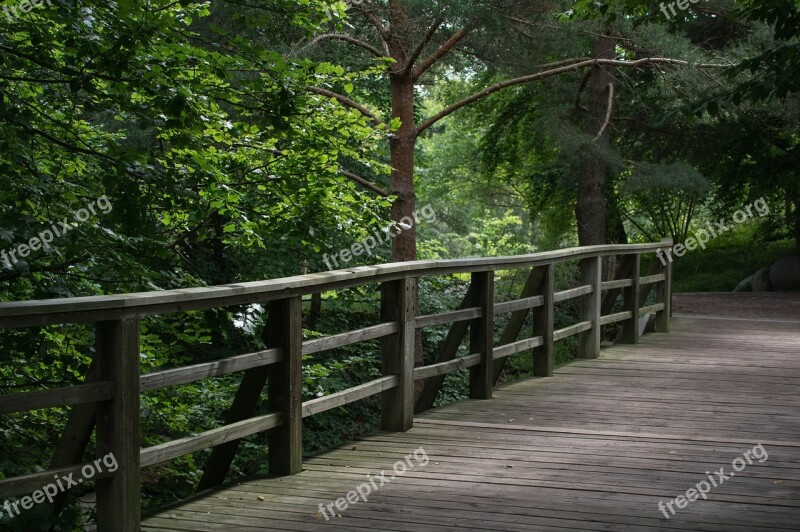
(595, 447)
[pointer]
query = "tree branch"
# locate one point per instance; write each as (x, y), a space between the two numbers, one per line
(364, 183)
(608, 113)
(422, 44)
(443, 50)
(649, 61)
(344, 37)
(581, 88)
(375, 21)
(344, 100)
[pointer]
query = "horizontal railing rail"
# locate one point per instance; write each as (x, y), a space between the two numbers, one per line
(108, 401)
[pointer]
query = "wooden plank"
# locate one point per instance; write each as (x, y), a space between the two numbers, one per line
(589, 340)
(652, 279)
(664, 296)
(565, 295)
(544, 325)
(517, 320)
(595, 448)
(23, 484)
(631, 296)
(349, 338)
(57, 397)
(452, 316)
(118, 431)
(285, 386)
(170, 450)
(618, 283)
(518, 304)
(652, 308)
(614, 318)
(481, 377)
(399, 304)
(572, 330)
(350, 395)
(158, 380)
(447, 352)
(519, 346)
(443, 368)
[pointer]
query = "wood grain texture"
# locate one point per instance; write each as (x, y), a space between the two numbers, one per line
(596, 447)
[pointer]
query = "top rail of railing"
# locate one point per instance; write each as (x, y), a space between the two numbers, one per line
(141, 304)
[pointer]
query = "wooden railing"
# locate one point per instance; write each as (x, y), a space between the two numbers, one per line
(108, 402)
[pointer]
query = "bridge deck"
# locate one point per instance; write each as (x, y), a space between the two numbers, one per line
(596, 447)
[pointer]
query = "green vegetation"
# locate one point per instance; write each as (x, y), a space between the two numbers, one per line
(244, 141)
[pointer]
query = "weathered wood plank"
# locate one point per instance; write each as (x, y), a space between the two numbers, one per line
(591, 310)
(399, 304)
(572, 330)
(57, 397)
(158, 380)
(285, 386)
(565, 295)
(24, 484)
(614, 318)
(350, 395)
(334, 341)
(519, 346)
(170, 450)
(118, 430)
(596, 447)
(543, 325)
(631, 297)
(481, 377)
(518, 304)
(443, 368)
(452, 316)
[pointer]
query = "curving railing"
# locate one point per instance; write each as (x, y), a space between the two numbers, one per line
(108, 402)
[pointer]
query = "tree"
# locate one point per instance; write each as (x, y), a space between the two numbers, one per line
(420, 35)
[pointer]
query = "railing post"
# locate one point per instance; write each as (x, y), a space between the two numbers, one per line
(118, 430)
(543, 325)
(631, 295)
(285, 386)
(664, 295)
(398, 304)
(481, 336)
(592, 270)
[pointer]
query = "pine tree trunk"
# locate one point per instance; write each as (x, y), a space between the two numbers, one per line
(590, 209)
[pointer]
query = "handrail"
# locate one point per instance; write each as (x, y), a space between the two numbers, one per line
(141, 304)
(112, 391)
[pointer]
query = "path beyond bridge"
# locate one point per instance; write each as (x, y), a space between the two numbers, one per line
(595, 447)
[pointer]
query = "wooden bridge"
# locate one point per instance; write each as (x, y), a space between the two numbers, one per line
(630, 438)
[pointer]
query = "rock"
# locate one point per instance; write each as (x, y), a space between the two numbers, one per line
(745, 286)
(785, 274)
(761, 281)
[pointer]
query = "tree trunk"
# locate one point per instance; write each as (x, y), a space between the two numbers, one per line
(402, 160)
(590, 209)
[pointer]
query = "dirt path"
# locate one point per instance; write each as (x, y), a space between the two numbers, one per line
(773, 306)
